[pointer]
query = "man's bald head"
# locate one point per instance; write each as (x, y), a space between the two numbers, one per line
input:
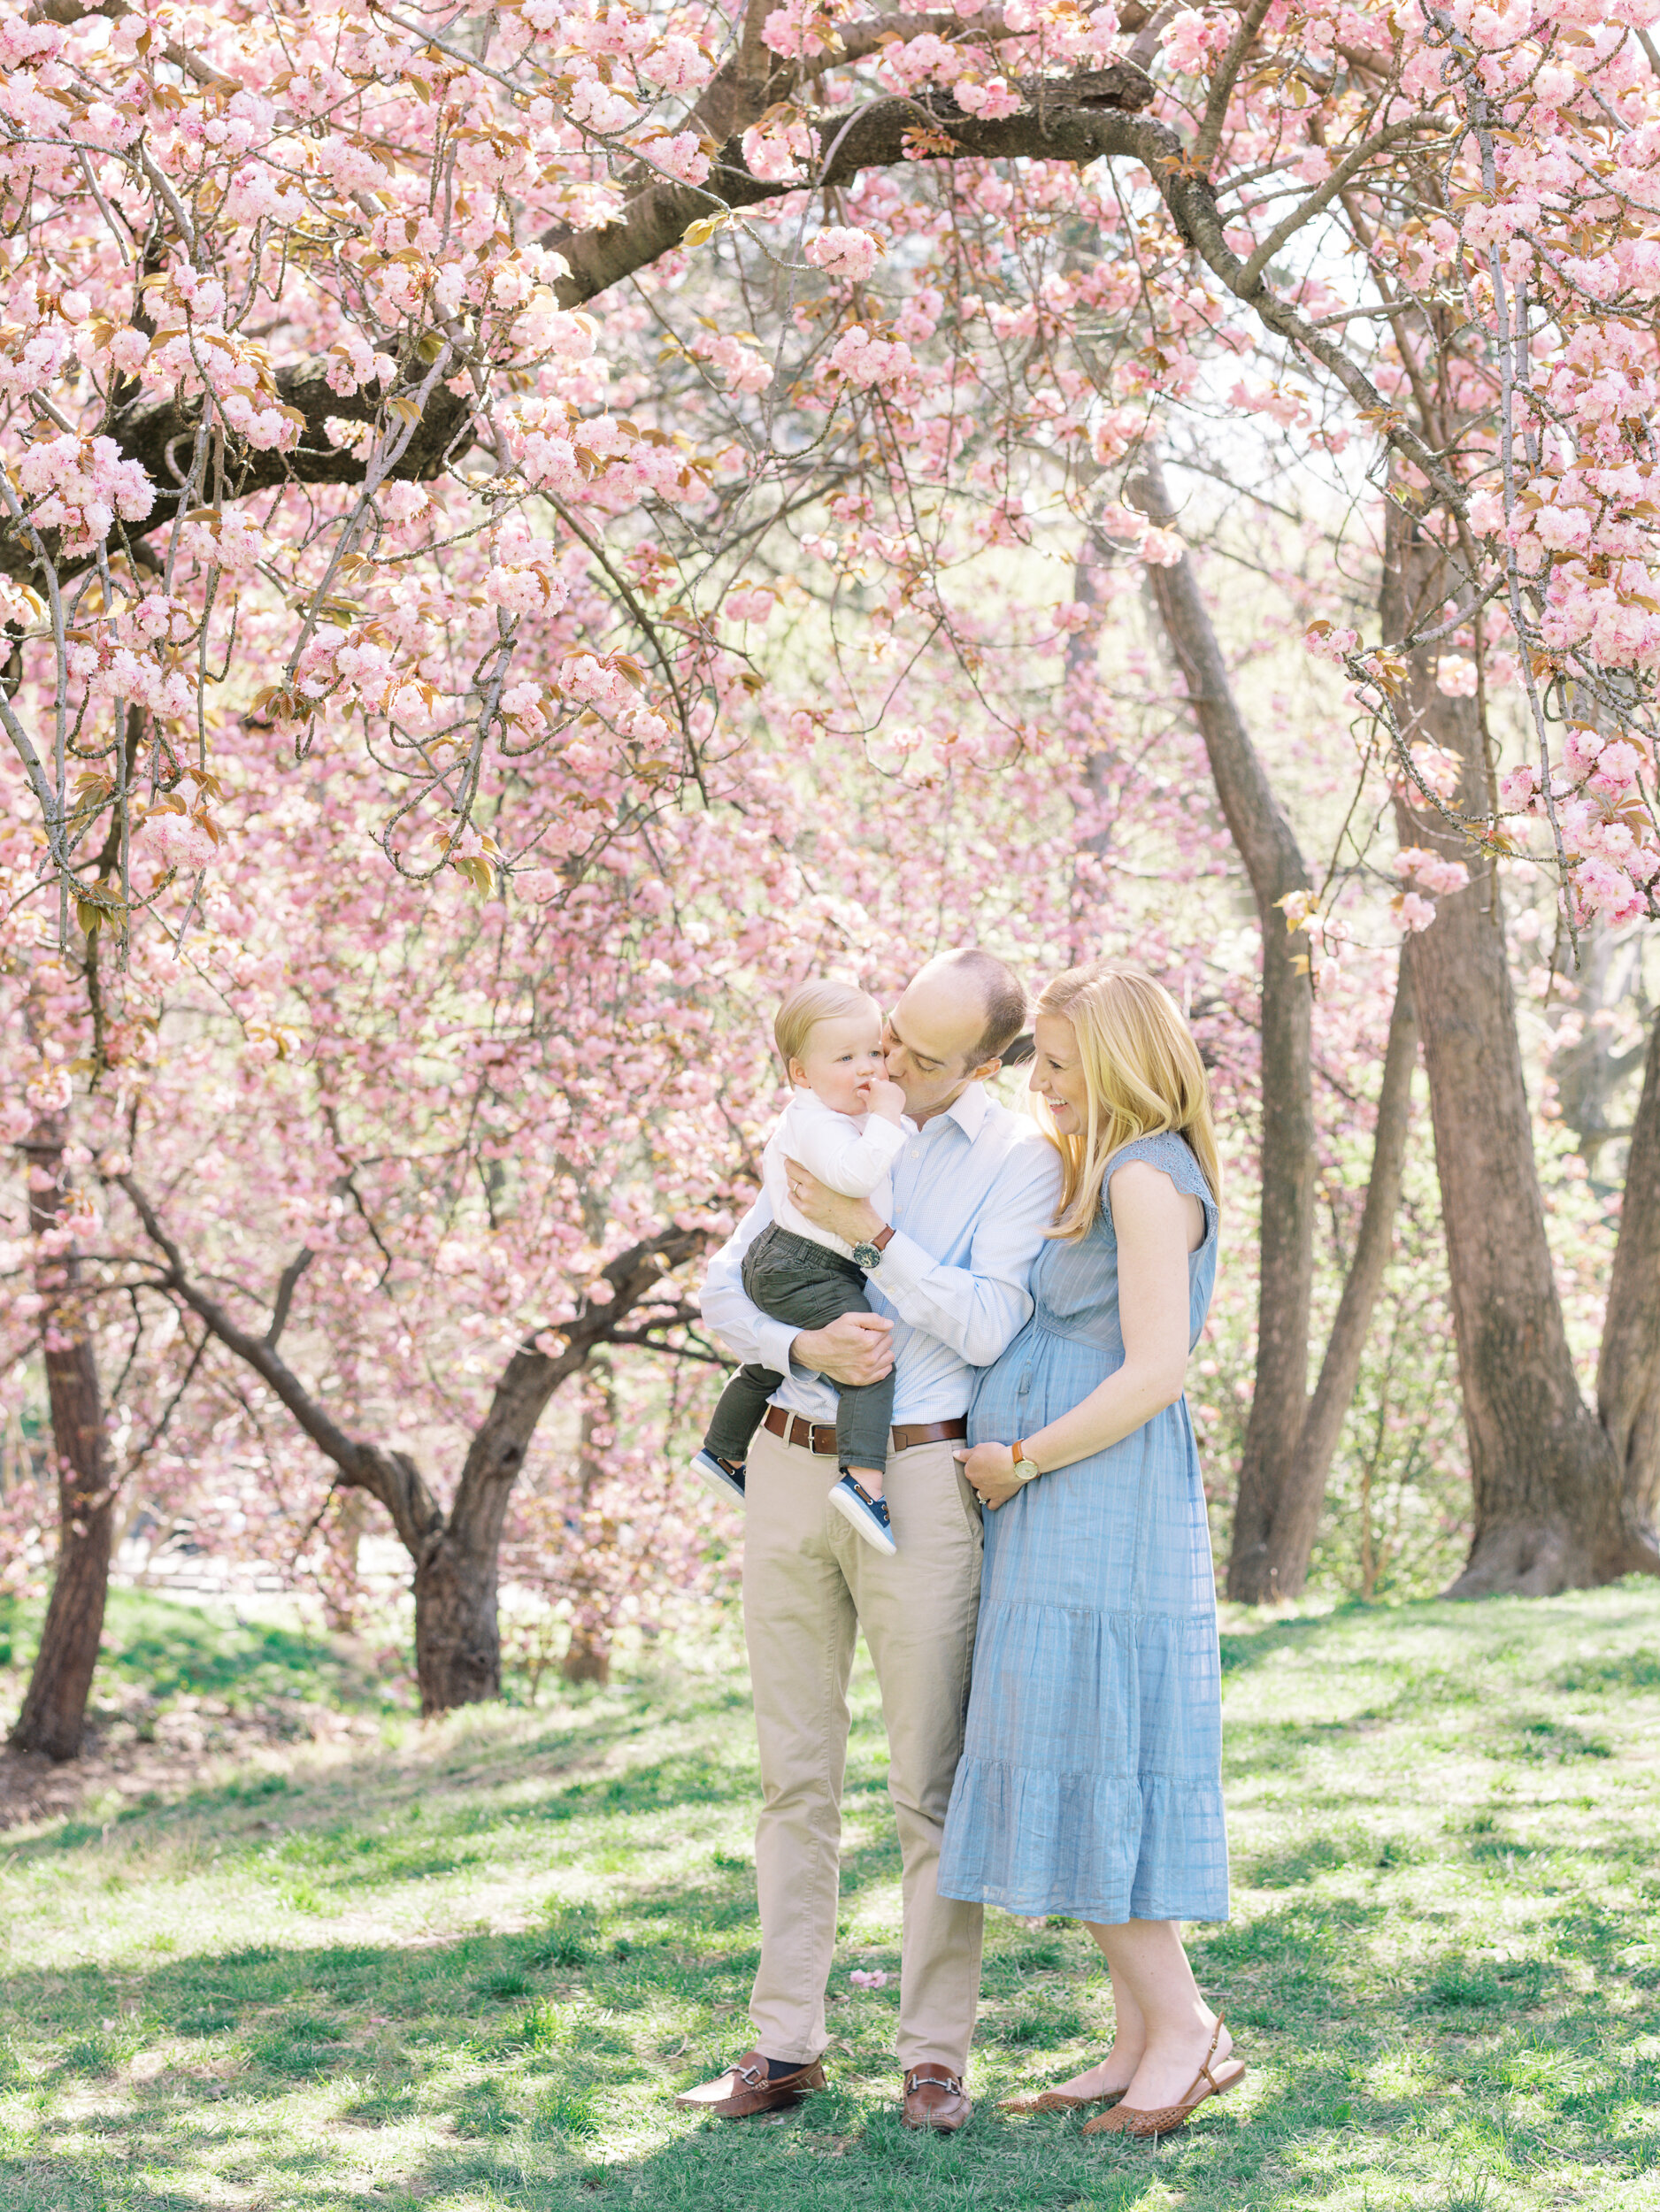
(1001, 994)
(951, 1026)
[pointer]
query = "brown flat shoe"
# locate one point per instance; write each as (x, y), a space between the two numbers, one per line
(1105, 2123)
(1057, 2100)
(937, 2099)
(1171, 2118)
(744, 2089)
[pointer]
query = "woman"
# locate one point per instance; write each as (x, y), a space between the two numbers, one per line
(1090, 1782)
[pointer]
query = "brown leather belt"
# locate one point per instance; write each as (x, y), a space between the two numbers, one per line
(820, 1436)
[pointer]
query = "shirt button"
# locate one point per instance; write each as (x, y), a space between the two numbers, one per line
(916, 1151)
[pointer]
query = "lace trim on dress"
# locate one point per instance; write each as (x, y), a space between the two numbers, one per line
(1172, 1154)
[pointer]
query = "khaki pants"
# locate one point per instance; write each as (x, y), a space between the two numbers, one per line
(809, 1584)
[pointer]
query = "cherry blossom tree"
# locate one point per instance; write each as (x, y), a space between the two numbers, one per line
(511, 449)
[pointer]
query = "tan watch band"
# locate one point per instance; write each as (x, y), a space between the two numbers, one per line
(883, 1237)
(1029, 1472)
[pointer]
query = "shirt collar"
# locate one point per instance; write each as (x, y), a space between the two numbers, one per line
(968, 1111)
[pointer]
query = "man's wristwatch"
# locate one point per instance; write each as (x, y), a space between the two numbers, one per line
(869, 1257)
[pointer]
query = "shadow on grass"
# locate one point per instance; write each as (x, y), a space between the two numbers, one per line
(168, 1647)
(1382, 2023)
(338, 1853)
(550, 2022)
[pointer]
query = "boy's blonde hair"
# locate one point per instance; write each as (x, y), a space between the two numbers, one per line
(808, 1005)
(1142, 1076)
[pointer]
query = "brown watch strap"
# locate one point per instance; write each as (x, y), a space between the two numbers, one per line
(883, 1237)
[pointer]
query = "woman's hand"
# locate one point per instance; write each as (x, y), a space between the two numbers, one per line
(992, 1474)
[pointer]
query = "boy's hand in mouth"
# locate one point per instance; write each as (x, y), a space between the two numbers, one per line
(884, 1099)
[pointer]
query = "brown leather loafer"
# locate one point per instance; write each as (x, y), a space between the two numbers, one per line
(935, 2099)
(744, 2089)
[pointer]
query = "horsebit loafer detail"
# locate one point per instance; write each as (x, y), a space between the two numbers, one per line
(744, 2089)
(935, 2099)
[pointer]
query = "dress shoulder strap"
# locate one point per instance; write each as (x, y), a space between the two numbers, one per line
(1172, 1155)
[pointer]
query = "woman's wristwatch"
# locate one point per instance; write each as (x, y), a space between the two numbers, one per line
(1024, 1467)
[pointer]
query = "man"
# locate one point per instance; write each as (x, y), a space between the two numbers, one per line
(974, 1189)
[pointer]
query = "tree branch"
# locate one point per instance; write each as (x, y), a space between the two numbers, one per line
(150, 430)
(1075, 125)
(1223, 83)
(1306, 209)
(1093, 115)
(1297, 1516)
(70, 11)
(391, 1477)
(497, 1449)
(530, 1377)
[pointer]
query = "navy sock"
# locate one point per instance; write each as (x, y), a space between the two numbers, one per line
(777, 2068)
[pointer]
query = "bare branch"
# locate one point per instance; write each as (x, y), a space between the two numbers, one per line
(391, 1477)
(1306, 209)
(285, 1283)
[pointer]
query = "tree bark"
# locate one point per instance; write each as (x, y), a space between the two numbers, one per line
(53, 1718)
(1297, 1520)
(1266, 844)
(457, 1639)
(1546, 1486)
(1628, 1372)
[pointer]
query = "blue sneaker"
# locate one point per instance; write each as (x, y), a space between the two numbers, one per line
(868, 1514)
(726, 1482)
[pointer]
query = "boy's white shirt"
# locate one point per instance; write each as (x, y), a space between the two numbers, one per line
(851, 1153)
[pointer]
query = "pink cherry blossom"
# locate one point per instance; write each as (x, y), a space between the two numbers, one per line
(842, 251)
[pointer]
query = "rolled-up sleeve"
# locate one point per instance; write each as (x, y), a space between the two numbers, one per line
(752, 1337)
(980, 1309)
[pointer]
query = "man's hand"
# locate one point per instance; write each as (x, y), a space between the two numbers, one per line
(991, 1473)
(857, 1347)
(855, 1220)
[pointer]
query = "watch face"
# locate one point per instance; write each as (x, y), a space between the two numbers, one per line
(867, 1255)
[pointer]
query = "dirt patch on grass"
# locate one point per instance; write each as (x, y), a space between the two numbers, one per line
(133, 1752)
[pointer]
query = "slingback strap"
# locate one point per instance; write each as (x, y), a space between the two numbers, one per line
(1205, 2073)
(1170, 2117)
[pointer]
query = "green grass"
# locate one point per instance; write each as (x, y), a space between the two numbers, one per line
(469, 1969)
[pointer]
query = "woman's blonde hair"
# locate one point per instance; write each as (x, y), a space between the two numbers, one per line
(1142, 1075)
(811, 1004)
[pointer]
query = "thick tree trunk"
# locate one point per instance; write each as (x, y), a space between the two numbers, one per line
(457, 1640)
(53, 1718)
(1628, 1373)
(1549, 1511)
(1268, 848)
(1303, 1494)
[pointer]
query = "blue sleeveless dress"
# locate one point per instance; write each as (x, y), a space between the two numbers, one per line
(1090, 1783)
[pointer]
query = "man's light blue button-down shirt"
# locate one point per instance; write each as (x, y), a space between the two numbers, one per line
(974, 1189)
